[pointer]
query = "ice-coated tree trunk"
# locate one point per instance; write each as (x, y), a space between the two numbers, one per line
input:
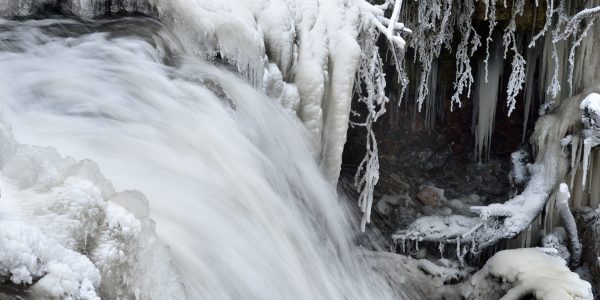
(562, 203)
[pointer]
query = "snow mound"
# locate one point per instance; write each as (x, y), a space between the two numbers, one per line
(592, 103)
(529, 271)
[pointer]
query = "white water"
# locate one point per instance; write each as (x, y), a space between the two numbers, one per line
(232, 184)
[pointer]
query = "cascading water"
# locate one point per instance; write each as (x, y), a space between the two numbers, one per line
(231, 181)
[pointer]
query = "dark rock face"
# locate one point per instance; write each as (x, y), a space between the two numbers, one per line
(9, 291)
(588, 224)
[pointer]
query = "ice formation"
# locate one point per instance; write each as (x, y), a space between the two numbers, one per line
(591, 133)
(237, 196)
(507, 220)
(53, 209)
(487, 98)
(306, 56)
(562, 202)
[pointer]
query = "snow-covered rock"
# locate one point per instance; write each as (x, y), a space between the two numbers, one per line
(513, 274)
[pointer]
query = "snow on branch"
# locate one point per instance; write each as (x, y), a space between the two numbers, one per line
(464, 74)
(496, 221)
(517, 76)
(390, 27)
(573, 25)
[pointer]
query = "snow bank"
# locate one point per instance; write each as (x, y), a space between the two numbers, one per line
(513, 274)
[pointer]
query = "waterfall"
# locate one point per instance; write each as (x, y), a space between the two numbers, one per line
(229, 174)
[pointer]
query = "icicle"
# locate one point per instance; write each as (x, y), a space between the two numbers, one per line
(465, 250)
(432, 102)
(594, 174)
(486, 104)
(458, 247)
(532, 56)
(441, 248)
(403, 245)
(528, 242)
(574, 150)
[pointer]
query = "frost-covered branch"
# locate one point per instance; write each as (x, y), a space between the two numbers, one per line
(370, 89)
(433, 28)
(464, 75)
(572, 26)
(574, 46)
(549, 12)
(517, 76)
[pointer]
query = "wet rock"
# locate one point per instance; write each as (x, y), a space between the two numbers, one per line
(473, 198)
(446, 211)
(431, 196)
(387, 203)
(429, 211)
(399, 181)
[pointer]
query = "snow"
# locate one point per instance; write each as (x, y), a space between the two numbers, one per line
(527, 271)
(506, 220)
(54, 211)
(519, 171)
(557, 239)
(28, 256)
(591, 102)
(437, 228)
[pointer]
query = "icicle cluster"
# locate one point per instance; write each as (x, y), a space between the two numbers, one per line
(432, 27)
(591, 132)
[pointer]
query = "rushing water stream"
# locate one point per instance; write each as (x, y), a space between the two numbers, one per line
(232, 184)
